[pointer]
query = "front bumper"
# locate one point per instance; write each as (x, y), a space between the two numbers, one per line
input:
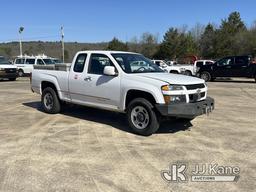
(3, 74)
(186, 110)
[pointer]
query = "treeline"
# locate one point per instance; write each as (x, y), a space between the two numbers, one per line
(231, 37)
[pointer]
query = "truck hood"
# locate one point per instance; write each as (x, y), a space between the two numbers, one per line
(172, 78)
(8, 66)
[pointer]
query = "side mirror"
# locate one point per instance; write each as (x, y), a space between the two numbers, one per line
(109, 70)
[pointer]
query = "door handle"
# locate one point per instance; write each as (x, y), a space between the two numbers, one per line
(228, 67)
(87, 78)
(244, 66)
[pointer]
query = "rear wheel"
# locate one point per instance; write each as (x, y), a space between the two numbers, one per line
(20, 73)
(175, 72)
(188, 73)
(205, 76)
(142, 117)
(50, 101)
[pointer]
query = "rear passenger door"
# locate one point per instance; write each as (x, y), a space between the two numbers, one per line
(240, 68)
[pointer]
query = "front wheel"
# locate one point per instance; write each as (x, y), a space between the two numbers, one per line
(12, 79)
(141, 117)
(20, 73)
(205, 76)
(50, 101)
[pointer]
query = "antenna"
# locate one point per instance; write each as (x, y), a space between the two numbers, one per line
(62, 42)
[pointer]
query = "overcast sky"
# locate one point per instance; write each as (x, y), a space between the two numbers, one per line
(97, 21)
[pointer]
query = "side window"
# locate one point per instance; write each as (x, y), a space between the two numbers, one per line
(241, 60)
(199, 63)
(226, 61)
(30, 61)
(19, 61)
(208, 63)
(97, 63)
(157, 63)
(80, 62)
(40, 62)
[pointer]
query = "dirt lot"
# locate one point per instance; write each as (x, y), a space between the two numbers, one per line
(85, 149)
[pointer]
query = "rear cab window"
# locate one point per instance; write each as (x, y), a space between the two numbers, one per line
(80, 62)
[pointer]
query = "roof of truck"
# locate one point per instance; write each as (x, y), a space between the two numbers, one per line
(105, 52)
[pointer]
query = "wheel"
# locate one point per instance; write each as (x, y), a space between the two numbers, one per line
(12, 79)
(50, 101)
(142, 117)
(205, 76)
(188, 73)
(175, 72)
(20, 73)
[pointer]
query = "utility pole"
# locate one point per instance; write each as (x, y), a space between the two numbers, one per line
(21, 29)
(62, 42)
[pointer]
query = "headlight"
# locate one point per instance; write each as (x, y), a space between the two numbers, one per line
(172, 88)
(174, 99)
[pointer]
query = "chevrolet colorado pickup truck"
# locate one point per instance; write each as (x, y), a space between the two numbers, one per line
(113, 80)
(235, 66)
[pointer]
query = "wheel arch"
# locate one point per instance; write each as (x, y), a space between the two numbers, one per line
(135, 93)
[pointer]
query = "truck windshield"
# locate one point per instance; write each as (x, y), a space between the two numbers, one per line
(135, 63)
(3, 61)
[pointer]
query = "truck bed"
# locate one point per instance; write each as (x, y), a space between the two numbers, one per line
(54, 67)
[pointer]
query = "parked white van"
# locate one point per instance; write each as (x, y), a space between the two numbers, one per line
(25, 63)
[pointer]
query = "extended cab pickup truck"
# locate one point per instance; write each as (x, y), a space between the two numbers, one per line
(236, 66)
(114, 81)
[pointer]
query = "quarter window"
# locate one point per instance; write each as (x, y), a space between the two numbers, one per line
(80, 62)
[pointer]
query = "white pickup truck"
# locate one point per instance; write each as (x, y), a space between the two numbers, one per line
(114, 81)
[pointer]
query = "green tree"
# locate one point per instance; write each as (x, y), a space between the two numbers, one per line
(117, 45)
(226, 35)
(148, 44)
(176, 44)
(207, 42)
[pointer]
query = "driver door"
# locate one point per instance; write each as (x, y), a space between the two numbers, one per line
(223, 67)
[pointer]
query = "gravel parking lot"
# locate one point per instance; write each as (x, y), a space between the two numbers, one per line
(84, 149)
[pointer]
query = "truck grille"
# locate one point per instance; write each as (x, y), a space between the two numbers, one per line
(195, 86)
(10, 70)
(195, 97)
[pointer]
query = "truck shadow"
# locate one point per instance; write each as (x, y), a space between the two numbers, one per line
(113, 119)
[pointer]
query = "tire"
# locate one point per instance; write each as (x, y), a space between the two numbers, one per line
(205, 76)
(20, 73)
(175, 72)
(12, 79)
(188, 73)
(50, 101)
(142, 117)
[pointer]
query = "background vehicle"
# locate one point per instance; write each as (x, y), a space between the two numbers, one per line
(235, 66)
(7, 70)
(199, 63)
(25, 63)
(170, 68)
(111, 80)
